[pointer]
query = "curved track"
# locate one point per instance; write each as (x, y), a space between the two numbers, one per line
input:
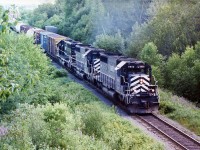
(179, 138)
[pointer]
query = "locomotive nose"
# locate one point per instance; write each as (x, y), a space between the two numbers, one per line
(139, 83)
(145, 104)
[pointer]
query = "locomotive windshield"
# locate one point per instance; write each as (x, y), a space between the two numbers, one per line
(67, 48)
(136, 70)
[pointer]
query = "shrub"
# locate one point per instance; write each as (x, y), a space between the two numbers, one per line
(150, 54)
(58, 126)
(93, 122)
(110, 43)
(167, 107)
(59, 73)
(185, 114)
(182, 74)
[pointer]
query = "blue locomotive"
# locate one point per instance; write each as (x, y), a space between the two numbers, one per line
(127, 80)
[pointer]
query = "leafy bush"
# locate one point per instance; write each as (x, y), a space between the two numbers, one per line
(158, 73)
(57, 126)
(93, 122)
(167, 107)
(59, 73)
(4, 22)
(182, 73)
(149, 54)
(110, 43)
(185, 114)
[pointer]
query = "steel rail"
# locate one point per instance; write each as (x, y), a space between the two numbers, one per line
(167, 128)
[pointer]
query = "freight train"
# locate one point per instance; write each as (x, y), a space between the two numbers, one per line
(128, 81)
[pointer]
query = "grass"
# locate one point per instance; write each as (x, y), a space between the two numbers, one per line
(185, 114)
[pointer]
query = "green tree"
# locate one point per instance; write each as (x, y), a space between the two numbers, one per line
(45, 14)
(110, 43)
(122, 14)
(86, 19)
(4, 22)
(182, 73)
(170, 28)
(81, 19)
(7, 83)
(150, 55)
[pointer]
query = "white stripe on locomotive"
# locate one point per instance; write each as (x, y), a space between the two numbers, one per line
(97, 65)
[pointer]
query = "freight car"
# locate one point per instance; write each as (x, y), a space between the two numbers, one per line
(25, 28)
(127, 80)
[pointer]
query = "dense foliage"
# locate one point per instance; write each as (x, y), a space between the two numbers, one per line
(4, 24)
(7, 84)
(88, 126)
(111, 43)
(44, 15)
(175, 33)
(171, 28)
(83, 20)
(178, 109)
(150, 55)
(183, 73)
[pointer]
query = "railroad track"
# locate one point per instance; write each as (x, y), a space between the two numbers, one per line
(176, 136)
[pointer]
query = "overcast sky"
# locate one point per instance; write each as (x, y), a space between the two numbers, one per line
(23, 2)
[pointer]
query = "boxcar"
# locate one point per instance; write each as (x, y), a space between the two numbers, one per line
(37, 36)
(25, 28)
(44, 40)
(17, 27)
(53, 40)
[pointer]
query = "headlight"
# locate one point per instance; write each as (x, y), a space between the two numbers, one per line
(152, 90)
(141, 81)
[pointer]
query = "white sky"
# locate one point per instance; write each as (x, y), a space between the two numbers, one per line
(23, 2)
